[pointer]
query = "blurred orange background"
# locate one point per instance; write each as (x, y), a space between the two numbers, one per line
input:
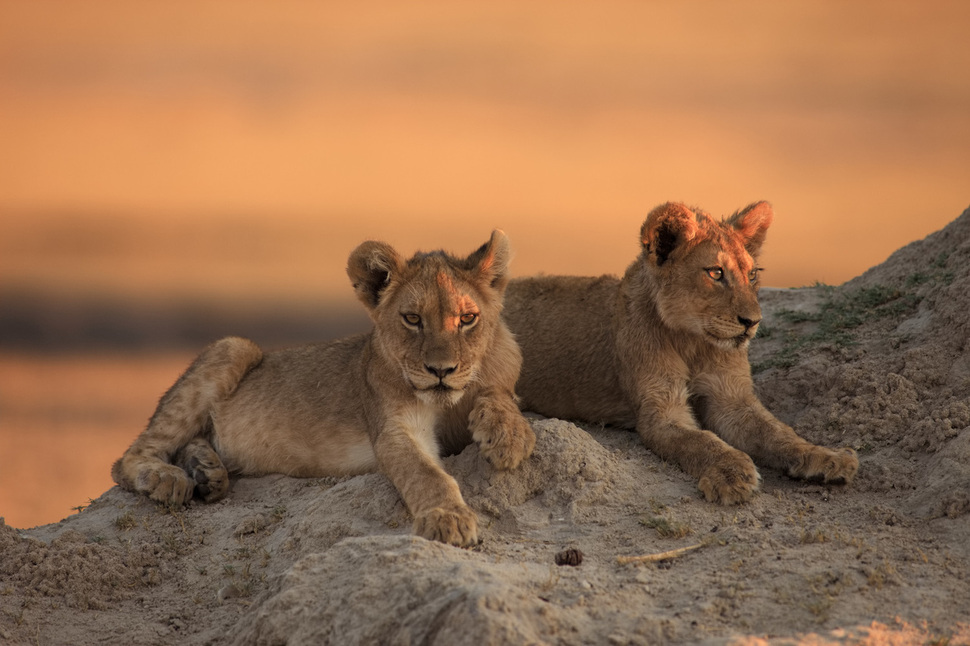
(163, 161)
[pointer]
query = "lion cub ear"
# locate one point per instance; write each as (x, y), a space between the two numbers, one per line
(370, 268)
(752, 224)
(491, 260)
(667, 227)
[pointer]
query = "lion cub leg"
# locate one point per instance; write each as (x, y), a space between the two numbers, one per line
(407, 453)
(744, 422)
(182, 415)
(724, 474)
(821, 464)
(776, 444)
(504, 437)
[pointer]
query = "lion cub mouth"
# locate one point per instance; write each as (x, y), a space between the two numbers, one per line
(731, 342)
(742, 339)
(440, 393)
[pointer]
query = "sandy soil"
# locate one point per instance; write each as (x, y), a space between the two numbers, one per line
(880, 364)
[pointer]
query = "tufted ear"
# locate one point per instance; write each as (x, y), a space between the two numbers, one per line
(667, 227)
(491, 260)
(752, 224)
(370, 268)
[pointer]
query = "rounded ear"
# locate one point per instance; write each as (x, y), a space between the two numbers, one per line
(370, 268)
(667, 227)
(752, 224)
(491, 260)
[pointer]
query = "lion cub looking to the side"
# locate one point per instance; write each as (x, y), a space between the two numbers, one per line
(436, 372)
(664, 350)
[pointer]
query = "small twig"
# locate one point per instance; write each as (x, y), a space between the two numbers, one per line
(659, 556)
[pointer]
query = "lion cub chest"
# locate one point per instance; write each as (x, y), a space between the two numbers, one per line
(420, 422)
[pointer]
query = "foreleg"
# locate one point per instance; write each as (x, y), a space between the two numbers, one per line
(735, 413)
(725, 475)
(409, 459)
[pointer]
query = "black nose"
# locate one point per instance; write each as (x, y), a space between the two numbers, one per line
(748, 323)
(440, 371)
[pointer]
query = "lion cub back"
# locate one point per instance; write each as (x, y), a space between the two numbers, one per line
(564, 328)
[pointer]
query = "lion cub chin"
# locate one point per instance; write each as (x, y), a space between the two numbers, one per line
(664, 350)
(436, 372)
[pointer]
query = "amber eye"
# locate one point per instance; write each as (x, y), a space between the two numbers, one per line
(715, 272)
(411, 320)
(468, 319)
(753, 274)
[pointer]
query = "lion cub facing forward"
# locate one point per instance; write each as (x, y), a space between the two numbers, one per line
(436, 372)
(664, 350)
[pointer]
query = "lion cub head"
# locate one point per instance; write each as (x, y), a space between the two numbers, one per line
(435, 315)
(705, 272)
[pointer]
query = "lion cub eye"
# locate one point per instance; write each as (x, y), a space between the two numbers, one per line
(715, 273)
(468, 319)
(411, 320)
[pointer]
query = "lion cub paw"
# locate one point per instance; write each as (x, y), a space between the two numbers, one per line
(205, 468)
(165, 483)
(211, 480)
(732, 480)
(829, 466)
(504, 437)
(455, 526)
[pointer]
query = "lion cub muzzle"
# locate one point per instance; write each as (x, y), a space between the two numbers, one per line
(750, 328)
(748, 323)
(726, 333)
(439, 384)
(441, 373)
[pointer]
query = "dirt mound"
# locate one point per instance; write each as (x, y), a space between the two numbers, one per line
(397, 590)
(881, 363)
(84, 574)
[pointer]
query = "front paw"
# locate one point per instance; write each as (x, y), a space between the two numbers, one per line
(504, 438)
(731, 480)
(165, 483)
(829, 466)
(456, 526)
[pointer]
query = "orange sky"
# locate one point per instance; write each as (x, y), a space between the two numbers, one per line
(243, 149)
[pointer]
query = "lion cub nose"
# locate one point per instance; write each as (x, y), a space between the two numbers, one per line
(748, 323)
(440, 371)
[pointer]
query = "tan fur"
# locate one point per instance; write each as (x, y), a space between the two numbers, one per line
(664, 350)
(435, 373)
